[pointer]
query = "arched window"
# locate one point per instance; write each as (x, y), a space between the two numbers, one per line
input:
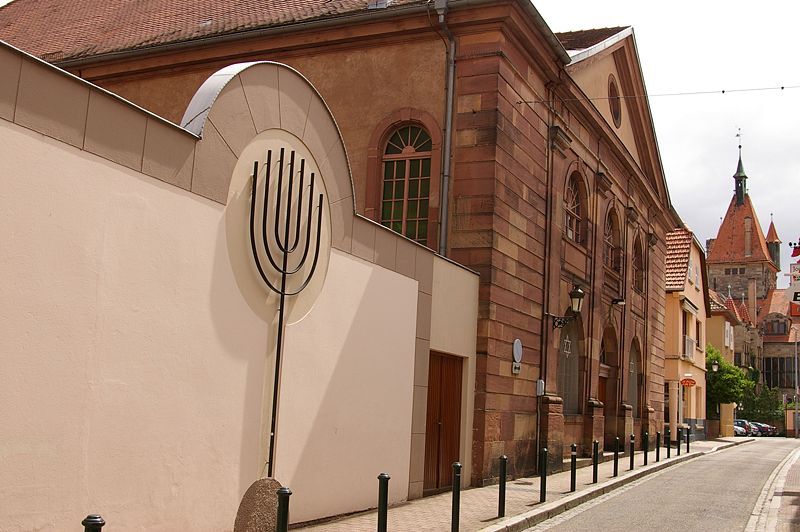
(574, 209)
(406, 182)
(635, 381)
(638, 267)
(611, 247)
(569, 367)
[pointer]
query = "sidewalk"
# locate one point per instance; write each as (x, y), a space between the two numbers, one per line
(523, 510)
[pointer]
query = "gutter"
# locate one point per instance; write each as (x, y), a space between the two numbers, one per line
(444, 209)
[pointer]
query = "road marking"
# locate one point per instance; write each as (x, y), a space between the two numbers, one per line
(765, 512)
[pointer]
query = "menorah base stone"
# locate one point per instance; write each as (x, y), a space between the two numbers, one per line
(258, 510)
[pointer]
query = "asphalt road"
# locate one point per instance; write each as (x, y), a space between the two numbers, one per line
(714, 492)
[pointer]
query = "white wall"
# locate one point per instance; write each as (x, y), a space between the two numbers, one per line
(132, 368)
(345, 406)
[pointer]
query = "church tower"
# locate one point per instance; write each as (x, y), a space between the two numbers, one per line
(739, 257)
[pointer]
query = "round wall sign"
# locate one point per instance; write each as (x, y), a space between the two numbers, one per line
(517, 350)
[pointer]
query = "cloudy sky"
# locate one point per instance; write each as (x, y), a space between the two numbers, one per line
(712, 45)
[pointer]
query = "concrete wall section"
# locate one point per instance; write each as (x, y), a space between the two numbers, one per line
(132, 367)
(345, 407)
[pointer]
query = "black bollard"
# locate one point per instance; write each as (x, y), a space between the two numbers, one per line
(543, 474)
(668, 441)
(646, 446)
(573, 466)
(678, 442)
(616, 456)
(456, 496)
(501, 503)
(93, 523)
(283, 509)
(688, 434)
(658, 446)
(383, 501)
(632, 448)
(595, 459)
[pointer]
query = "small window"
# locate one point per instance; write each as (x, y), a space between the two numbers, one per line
(614, 101)
(573, 209)
(690, 273)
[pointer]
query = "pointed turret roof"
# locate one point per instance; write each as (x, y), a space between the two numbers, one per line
(740, 167)
(729, 245)
(772, 234)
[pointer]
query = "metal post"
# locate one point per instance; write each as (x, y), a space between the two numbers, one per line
(616, 456)
(93, 523)
(678, 441)
(501, 504)
(632, 448)
(796, 387)
(543, 474)
(383, 501)
(688, 434)
(595, 459)
(658, 446)
(456, 497)
(668, 441)
(573, 466)
(283, 509)
(646, 446)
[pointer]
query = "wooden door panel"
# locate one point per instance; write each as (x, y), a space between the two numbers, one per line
(443, 420)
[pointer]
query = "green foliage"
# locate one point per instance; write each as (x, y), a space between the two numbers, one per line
(763, 405)
(728, 384)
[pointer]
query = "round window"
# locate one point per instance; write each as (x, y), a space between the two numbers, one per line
(614, 101)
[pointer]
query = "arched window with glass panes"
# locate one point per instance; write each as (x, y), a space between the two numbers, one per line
(407, 182)
(574, 209)
(611, 247)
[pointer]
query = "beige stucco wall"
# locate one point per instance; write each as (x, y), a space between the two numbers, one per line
(132, 367)
(454, 314)
(345, 407)
(139, 346)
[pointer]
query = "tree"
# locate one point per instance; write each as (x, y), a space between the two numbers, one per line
(763, 405)
(728, 384)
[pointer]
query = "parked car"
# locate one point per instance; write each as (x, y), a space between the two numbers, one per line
(745, 425)
(765, 429)
(739, 431)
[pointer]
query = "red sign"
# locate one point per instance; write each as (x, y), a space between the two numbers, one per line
(688, 382)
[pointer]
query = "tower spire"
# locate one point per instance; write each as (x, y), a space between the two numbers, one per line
(740, 178)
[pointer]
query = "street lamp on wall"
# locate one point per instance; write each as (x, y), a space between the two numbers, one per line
(576, 296)
(714, 366)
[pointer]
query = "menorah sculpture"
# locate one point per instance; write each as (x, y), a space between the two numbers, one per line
(286, 244)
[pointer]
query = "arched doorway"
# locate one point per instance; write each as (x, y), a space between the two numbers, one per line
(608, 386)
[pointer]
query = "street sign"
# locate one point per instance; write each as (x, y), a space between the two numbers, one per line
(688, 382)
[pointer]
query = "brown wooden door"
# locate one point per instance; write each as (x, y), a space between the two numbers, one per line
(443, 421)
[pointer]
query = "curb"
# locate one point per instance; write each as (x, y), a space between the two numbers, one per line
(548, 510)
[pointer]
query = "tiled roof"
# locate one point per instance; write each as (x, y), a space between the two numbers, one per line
(772, 233)
(580, 40)
(777, 301)
(679, 247)
(720, 304)
(56, 30)
(729, 245)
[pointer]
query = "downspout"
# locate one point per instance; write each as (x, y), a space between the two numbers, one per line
(441, 10)
(545, 330)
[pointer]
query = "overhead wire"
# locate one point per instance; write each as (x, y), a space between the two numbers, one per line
(658, 95)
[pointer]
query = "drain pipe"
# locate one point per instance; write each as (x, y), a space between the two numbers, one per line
(441, 10)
